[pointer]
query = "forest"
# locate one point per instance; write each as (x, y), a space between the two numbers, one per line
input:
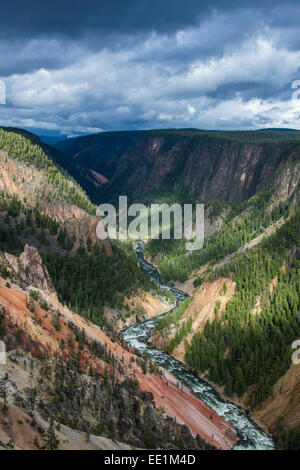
(85, 279)
(243, 223)
(241, 348)
(21, 148)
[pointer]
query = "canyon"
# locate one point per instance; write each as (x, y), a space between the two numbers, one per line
(98, 364)
(193, 165)
(40, 336)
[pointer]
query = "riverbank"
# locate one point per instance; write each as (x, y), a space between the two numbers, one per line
(251, 437)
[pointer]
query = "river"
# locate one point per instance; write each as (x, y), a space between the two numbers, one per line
(251, 437)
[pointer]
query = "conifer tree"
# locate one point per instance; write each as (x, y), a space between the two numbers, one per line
(50, 440)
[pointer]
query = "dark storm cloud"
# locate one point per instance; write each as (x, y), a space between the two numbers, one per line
(33, 18)
(73, 18)
(83, 66)
(19, 56)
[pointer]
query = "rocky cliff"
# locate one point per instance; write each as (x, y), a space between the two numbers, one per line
(32, 270)
(31, 185)
(62, 366)
(198, 165)
(201, 310)
(282, 408)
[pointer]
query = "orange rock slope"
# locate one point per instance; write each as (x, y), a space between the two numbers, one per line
(201, 310)
(179, 403)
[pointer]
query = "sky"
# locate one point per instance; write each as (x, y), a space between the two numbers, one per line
(73, 67)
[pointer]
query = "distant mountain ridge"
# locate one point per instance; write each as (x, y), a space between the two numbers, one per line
(194, 164)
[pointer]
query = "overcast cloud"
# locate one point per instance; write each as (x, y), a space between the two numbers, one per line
(87, 66)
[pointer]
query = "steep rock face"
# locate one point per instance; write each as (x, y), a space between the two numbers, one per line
(142, 307)
(201, 310)
(30, 184)
(83, 401)
(33, 269)
(60, 332)
(206, 167)
(30, 267)
(17, 433)
(287, 184)
(282, 408)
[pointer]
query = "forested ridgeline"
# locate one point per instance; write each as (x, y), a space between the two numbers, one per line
(19, 147)
(243, 223)
(85, 279)
(20, 224)
(88, 281)
(246, 350)
(289, 439)
(196, 164)
(174, 318)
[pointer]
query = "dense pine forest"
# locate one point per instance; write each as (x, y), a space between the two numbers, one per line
(86, 281)
(241, 348)
(21, 148)
(243, 223)
(289, 440)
